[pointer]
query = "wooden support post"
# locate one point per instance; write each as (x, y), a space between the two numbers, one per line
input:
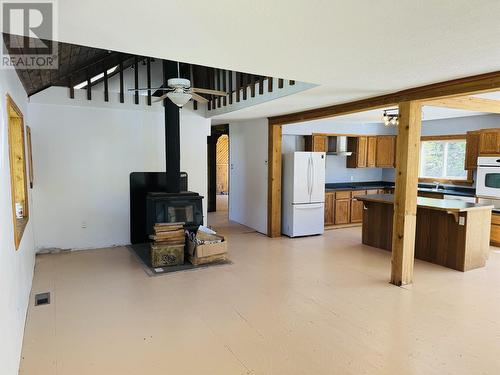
(238, 86)
(148, 71)
(274, 181)
(136, 80)
(261, 85)
(122, 96)
(280, 83)
(224, 86)
(269, 84)
(71, 88)
(244, 77)
(252, 86)
(405, 198)
(105, 79)
(89, 87)
(230, 87)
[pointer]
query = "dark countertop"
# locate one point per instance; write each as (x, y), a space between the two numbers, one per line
(432, 203)
(448, 190)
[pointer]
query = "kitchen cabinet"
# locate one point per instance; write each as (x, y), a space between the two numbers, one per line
(489, 142)
(359, 148)
(357, 206)
(371, 152)
(495, 229)
(386, 151)
(430, 194)
(316, 143)
(329, 208)
(471, 149)
(343, 210)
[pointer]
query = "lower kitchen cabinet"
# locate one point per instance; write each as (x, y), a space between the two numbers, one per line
(329, 208)
(495, 229)
(357, 207)
(342, 211)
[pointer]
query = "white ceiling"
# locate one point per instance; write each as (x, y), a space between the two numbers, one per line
(354, 49)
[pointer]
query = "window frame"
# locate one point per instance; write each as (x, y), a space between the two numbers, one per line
(15, 118)
(449, 137)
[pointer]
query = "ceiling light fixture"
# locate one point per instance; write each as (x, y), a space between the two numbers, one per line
(390, 119)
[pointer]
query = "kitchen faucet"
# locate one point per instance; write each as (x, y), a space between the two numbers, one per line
(437, 183)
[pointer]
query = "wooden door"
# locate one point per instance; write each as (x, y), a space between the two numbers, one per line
(489, 142)
(386, 151)
(471, 150)
(342, 211)
(319, 143)
(329, 208)
(371, 152)
(358, 146)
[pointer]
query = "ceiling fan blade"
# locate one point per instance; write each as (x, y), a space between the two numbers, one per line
(208, 91)
(160, 98)
(152, 89)
(199, 98)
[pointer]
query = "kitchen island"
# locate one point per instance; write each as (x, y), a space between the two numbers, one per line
(451, 233)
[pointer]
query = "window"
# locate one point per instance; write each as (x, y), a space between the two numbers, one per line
(442, 158)
(17, 160)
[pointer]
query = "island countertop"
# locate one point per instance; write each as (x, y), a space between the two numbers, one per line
(449, 205)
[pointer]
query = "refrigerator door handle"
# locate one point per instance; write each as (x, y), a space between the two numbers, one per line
(310, 206)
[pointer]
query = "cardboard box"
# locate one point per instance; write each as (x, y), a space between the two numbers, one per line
(207, 252)
(167, 255)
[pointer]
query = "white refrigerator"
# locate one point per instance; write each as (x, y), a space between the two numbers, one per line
(303, 193)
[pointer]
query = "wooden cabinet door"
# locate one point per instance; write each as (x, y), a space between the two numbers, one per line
(329, 208)
(356, 211)
(342, 211)
(359, 148)
(386, 151)
(319, 143)
(489, 142)
(362, 148)
(371, 152)
(471, 150)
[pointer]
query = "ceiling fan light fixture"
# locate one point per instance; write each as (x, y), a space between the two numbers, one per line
(179, 98)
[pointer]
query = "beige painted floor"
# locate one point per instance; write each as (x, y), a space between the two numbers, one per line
(318, 305)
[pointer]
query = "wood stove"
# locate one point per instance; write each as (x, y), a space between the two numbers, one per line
(183, 207)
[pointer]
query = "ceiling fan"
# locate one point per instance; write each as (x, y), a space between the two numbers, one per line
(179, 91)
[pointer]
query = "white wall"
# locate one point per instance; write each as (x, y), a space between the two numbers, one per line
(248, 173)
(16, 267)
(83, 154)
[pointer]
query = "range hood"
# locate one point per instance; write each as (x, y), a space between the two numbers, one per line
(338, 146)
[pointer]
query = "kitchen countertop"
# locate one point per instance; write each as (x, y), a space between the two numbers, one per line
(457, 191)
(431, 203)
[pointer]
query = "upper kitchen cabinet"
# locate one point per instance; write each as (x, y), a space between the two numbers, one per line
(481, 143)
(359, 148)
(316, 143)
(371, 153)
(386, 151)
(489, 142)
(471, 149)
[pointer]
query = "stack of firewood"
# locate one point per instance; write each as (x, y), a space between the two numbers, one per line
(168, 234)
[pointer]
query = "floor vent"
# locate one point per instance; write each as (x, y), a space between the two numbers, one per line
(42, 299)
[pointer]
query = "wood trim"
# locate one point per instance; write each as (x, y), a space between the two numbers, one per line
(469, 103)
(442, 137)
(405, 197)
(457, 87)
(14, 114)
(274, 181)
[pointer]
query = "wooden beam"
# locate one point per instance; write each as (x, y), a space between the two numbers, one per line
(224, 86)
(274, 182)
(89, 87)
(280, 83)
(238, 86)
(261, 85)
(458, 87)
(469, 103)
(244, 85)
(191, 78)
(252, 86)
(405, 196)
(71, 88)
